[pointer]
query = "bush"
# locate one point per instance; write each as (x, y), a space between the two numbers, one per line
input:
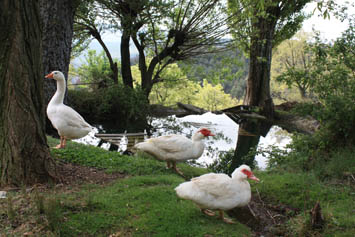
(116, 106)
(223, 162)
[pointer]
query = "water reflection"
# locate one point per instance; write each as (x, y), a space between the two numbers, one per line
(225, 129)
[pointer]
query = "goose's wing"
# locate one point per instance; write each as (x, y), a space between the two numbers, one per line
(72, 118)
(171, 143)
(216, 185)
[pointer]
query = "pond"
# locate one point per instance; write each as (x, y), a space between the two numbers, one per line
(225, 129)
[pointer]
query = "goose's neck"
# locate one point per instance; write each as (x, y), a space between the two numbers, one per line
(59, 94)
(197, 137)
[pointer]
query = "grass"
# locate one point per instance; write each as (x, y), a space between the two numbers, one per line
(302, 191)
(144, 203)
(143, 206)
(115, 162)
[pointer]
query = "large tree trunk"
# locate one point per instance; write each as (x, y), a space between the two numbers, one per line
(57, 21)
(24, 153)
(258, 92)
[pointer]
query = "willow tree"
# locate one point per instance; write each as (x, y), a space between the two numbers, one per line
(163, 32)
(91, 21)
(24, 154)
(259, 26)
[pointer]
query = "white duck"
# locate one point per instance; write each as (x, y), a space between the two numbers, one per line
(68, 122)
(218, 191)
(175, 148)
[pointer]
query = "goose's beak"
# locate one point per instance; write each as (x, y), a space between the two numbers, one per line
(50, 75)
(254, 178)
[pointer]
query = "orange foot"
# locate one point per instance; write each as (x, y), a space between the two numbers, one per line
(226, 220)
(208, 212)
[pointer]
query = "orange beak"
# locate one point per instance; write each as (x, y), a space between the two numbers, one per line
(50, 75)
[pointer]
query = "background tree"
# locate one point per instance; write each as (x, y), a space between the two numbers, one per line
(229, 68)
(333, 73)
(91, 22)
(176, 87)
(260, 25)
(291, 63)
(96, 71)
(24, 154)
(165, 32)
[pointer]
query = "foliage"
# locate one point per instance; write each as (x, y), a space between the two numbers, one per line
(250, 16)
(90, 20)
(229, 68)
(165, 31)
(291, 64)
(301, 190)
(177, 88)
(117, 105)
(223, 162)
(95, 71)
(174, 88)
(317, 154)
(213, 97)
(331, 78)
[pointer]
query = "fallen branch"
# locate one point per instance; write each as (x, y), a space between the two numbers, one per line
(284, 119)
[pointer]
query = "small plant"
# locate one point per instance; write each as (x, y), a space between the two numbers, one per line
(39, 201)
(224, 161)
(52, 212)
(11, 214)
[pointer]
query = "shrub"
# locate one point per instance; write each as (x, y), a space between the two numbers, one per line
(117, 106)
(223, 162)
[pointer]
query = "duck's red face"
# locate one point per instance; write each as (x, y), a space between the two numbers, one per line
(206, 132)
(250, 175)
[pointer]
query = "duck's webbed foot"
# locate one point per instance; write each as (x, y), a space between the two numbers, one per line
(208, 212)
(177, 169)
(168, 165)
(226, 220)
(61, 144)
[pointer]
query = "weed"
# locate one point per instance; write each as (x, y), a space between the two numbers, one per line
(39, 201)
(52, 212)
(11, 214)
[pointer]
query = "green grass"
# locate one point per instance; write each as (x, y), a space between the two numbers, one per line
(142, 204)
(303, 190)
(115, 162)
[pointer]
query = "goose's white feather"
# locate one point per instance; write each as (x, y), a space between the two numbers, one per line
(217, 191)
(69, 123)
(174, 147)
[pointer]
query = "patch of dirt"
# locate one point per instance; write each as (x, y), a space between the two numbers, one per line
(286, 106)
(263, 218)
(19, 213)
(71, 174)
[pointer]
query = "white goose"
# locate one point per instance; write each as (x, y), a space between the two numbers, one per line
(218, 191)
(68, 122)
(175, 148)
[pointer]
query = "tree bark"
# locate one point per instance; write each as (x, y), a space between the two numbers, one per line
(57, 22)
(24, 154)
(258, 91)
(57, 18)
(113, 65)
(126, 60)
